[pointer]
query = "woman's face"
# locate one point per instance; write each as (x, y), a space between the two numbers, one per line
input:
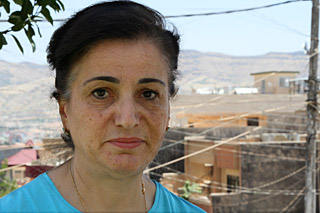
(119, 106)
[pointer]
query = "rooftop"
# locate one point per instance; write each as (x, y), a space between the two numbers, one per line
(282, 72)
(217, 104)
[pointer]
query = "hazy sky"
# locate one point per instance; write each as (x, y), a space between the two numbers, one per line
(282, 28)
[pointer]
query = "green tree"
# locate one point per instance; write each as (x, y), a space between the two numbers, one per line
(27, 18)
(189, 188)
(6, 185)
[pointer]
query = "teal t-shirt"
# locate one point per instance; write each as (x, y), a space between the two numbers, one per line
(41, 195)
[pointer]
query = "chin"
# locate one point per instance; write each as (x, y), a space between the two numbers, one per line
(126, 165)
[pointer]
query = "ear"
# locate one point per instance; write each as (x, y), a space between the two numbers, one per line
(63, 113)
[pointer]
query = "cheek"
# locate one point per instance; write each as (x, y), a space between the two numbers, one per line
(158, 124)
(82, 123)
(158, 119)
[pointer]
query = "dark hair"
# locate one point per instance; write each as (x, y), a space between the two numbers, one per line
(113, 20)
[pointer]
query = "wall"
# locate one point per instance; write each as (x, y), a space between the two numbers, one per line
(270, 166)
(272, 82)
(287, 122)
(218, 119)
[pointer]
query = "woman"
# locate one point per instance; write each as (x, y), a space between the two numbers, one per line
(116, 65)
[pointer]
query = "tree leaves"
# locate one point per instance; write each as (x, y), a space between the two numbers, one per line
(6, 185)
(6, 5)
(46, 13)
(26, 9)
(18, 43)
(19, 2)
(30, 33)
(188, 189)
(3, 40)
(27, 18)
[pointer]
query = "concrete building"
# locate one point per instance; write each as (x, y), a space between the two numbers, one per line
(235, 110)
(247, 175)
(274, 82)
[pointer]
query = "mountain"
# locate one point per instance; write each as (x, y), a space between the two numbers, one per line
(15, 74)
(218, 70)
(25, 87)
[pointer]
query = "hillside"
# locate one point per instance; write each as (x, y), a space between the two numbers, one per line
(218, 70)
(25, 88)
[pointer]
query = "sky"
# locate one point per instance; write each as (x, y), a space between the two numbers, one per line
(283, 28)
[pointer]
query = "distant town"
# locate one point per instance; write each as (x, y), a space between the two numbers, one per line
(229, 148)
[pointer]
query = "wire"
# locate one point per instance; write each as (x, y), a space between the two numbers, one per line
(240, 189)
(241, 152)
(259, 199)
(203, 14)
(232, 118)
(235, 11)
(268, 121)
(285, 209)
(203, 150)
(280, 25)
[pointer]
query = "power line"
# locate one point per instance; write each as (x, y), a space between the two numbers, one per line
(241, 152)
(224, 186)
(280, 25)
(234, 11)
(231, 119)
(203, 14)
(299, 195)
(203, 150)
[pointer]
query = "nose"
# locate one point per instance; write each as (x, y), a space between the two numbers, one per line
(127, 114)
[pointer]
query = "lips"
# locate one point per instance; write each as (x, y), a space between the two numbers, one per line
(126, 143)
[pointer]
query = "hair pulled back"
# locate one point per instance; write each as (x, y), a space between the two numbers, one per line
(112, 20)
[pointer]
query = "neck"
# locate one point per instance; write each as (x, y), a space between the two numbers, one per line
(101, 191)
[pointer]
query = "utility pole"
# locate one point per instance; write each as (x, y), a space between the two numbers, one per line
(312, 112)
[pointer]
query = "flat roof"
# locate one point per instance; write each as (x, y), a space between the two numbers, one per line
(217, 104)
(266, 72)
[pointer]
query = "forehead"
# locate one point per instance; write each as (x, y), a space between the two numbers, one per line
(123, 59)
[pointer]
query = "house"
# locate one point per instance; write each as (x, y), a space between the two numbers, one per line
(18, 159)
(274, 82)
(266, 168)
(205, 111)
(247, 173)
(26, 162)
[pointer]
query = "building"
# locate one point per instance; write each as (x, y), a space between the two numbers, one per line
(252, 173)
(26, 161)
(274, 82)
(245, 175)
(235, 110)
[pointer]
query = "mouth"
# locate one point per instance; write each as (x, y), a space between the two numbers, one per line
(126, 143)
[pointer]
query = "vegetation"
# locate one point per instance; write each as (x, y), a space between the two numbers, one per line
(6, 185)
(27, 18)
(189, 188)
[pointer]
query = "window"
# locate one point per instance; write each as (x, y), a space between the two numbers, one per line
(263, 87)
(232, 183)
(252, 121)
(18, 174)
(284, 82)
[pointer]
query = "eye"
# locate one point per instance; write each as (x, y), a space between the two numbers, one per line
(149, 94)
(100, 93)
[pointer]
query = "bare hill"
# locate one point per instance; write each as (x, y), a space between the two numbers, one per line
(14, 74)
(25, 88)
(218, 70)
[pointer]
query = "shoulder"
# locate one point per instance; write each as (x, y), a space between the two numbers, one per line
(166, 201)
(22, 197)
(36, 196)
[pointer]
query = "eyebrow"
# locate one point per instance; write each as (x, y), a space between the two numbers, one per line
(117, 81)
(103, 78)
(150, 80)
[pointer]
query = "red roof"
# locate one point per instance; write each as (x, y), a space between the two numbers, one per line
(23, 157)
(29, 143)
